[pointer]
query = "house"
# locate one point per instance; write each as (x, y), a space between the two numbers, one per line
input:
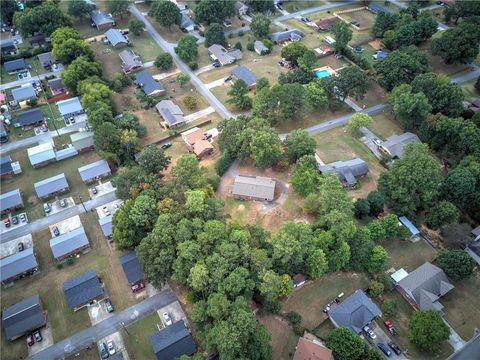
(23, 318)
(240, 8)
(51, 186)
(172, 342)
(66, 153)
(37, 40)
(380, 55)
(475, 106)
(355, 312)
(473, 249)
(7, 47)
(70, 107)
(347, 171)
(260, 47)
(325, 24)
(41, 155)
(149, 85)
(47, 60)
(186, 23)
(6, 168)
(395, 144)
(94, 171)
(424, 286)
(18, 265)
(171, 113)
(414, 232)
(196, 142)
(83, 289)
(311, 350)
(11, 201)
(3, 133)
(102, 20)
(56, 86)
(130, 61)
(253, 187)
(23, 93)
(242, 73)
(82, 141)
(376, 8)
(288, 35)
(106, 226)
(299, 280)
(68, 244)
(476, 233)
(131, 267)
(29, 118)
(116, 38)
(15, 66)
(224, 56)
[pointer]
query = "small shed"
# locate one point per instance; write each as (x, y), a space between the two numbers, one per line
(94, 171)
(51, 186)
(260, 47)
(299, 280)
(414, 232)
(398, 275)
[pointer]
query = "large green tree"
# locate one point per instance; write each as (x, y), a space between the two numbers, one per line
(213, 11)
(458, 185)
(293, 51)
(343, 34)
(410, 108)
(458, 45)
(378, 259)
(427, 331)
(265, 148)
(79, 9)
(72, 49)
(346, 345)
(166, 13)
(136, 27)
(299, 143)
(237, 95)
(457, 264)
(215, 35)
(260, 26)
(80, 69)
(443, 213)
(153, 160)
(351, 81)
(118, 7)
(45, 18)
(187, 48)
(315, 98)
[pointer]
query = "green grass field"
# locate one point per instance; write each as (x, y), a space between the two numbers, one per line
(137, 337)
(385, 125)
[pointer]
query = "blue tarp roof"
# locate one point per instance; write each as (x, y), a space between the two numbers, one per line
(408, 224)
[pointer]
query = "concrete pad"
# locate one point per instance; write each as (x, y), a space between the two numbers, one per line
(45, 343)
(56, 208)
(4, 229)
(199, 114)
(151, 290)
(175, 312)
(66, 225)
(11, 247)
(117, 342)
(111, 207)
(215, 83)
(98, 312)
(102, 189)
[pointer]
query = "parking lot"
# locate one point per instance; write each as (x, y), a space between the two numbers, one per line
(11, 247)
(101, 189)
(4, 228)
(67, 225)
(56, 206)
(109, 208)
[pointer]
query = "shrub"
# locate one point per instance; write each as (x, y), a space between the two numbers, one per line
(70, 261)
(298, 329)
(32, 102)
(190, 102)
(385, 280)
(58, 266)
(250, 46)
(294, 317)
(241, 33)
(230, 36)
(361, 208)
(223, 163)
(390, 307)
(375, 288)
(457, 264)
(164, 61)
(238, 45)
(193, 65)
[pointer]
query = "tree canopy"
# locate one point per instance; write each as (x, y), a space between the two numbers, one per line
(187, 47)
(458, 45)
(457, 264)
(213, 11)
(45, 18)
(427, 330)
(260, 26)
(215, 35)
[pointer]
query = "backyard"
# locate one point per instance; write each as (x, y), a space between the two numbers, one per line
(406, 254)
(284, 340)
(137, 337)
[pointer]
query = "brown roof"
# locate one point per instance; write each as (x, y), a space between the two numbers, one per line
(326, 23)
(200, 146)
(308, 350)
(194, 136)
(376, 44)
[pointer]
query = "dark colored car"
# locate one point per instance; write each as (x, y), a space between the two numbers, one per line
(384, 349)
(108, 305)
(394, 347)
(38, 336)
(102, 348)
(15, 220)
(166, 146)
(56, 232)
(30, 340)
(20, 246)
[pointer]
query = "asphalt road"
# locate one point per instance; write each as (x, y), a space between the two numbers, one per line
(28, 80)
(90, 336)
(167, 47)
(312, 10)
(52, 219)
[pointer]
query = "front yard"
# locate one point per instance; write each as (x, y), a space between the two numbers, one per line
(137, 337)
(385, 125)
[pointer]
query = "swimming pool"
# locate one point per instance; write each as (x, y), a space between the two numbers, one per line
(322, 73)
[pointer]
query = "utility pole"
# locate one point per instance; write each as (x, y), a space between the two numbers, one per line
(81, 201)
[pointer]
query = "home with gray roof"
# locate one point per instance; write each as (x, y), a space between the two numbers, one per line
(241, 8)
(66, 153)
(424, 286)
(83, 289)
(24, 93)
(51, 186)
(29, 119)
(355, 312)
(102, 20)
(347, 171)
(224, 56)
(7, 47)
(116, 38)
(186, 22)
(11, 201)
(57, 86)
(148, 84)
(69, 244)
(106, 226)
(94, 171)
(82, 141)
(24, 317)
(14, 66)
(260, 47)
(47, 60)
(70, 107)
(130, 61)
(242, 73)
(6, 168)
(254, 188)
(395, 144)
(171, 113)
(288, 35)
(132, 268)
(41, 155)
(18, 265)
(172, 342)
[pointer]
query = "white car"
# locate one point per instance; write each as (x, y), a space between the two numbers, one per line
(370, 332)
(167, 319)
(111, 347)
(106, 211)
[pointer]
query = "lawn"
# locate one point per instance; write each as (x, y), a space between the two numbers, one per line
(137, 337)
(283, 340)
(437, 63)
(310, 299)
(469, 90)
(407, 254)
(385, 125)
(53, 116)
(178, 94)
(294, 6)
(376, 95)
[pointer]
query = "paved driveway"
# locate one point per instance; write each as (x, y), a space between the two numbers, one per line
(382, 337)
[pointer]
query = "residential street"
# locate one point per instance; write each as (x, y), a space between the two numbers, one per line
(89, 336)
(28, 80)
(312, 10)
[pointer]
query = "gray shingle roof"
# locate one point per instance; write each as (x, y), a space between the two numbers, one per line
(259, 46)
(186, 22)
(56, 84)
(5, 165)
(91, 171)
(258, 187)
(24, 93)
(148, 84)
(347, 170)
(23, 317)
(116, 37)
(51, 185)
(16, 65)
(130, 59)
(376, 8)
(170, 112)
(69, 106)
(131, 267)
(82, 289)
(396, 143)
(173, 341)
(292, 34)
(17, 264)
(223, 55)
(68, 242)
(10, 200)
(47, 59)
(242, 73)
(29, 117)
(41, 153)
(101, 18)
(355, 312)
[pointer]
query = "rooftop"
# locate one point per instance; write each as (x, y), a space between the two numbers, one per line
(116, 37)
(29, 117)
(131, 267)
(172, 341)
(292, 34)
(145, 80)
(69, 106)
(254, 186)
(15, 65)
(408, 224)
(101, 18)
(170, 112)
(5, 165)
(242, 73)
(51, 185)
(24, 93)
(106, 225)
(82, 289)
(311, 350)
(395, 143)
(94, 170)
(10, 200)
(347, 170)
(47, 58)
(17, 264)
(22, 317)
(68, 242)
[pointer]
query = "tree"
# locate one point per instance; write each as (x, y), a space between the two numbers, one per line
(345, 344)
(411, 108)
(343, 34)
(71, 50)
(265, 148)
(8, 9)
(190, 102)
(166, 13)
(458, 185)
(136, 27)
(414, 32)
(375, 288)
(153, 160)
(237, 95)
(188, 173)
(260, 26)
(384, 22)
(106, 138)
(299, 143)
(99, 114)
(390, 40)
(427, 331)
(125, 233)
(118, 7)
(443, 213)
(305, 177)
(462, 9)
(279, 103)
(358, 121)
(215, 35)
(144, 212)
(390, 307)
(293, 51)
(315, 97)
(164, 61)
(376, 200)
(93, 93)
(80, 69)
(213, 11)
(187, 47)
(183, 79)
(378, 259)
(457, 264)
(458, 45)
(45, 18)
(412, 181)
(64, 33)
(262, 5)
(262, 83)
(79, 9)
(361, 208)
(351, 81)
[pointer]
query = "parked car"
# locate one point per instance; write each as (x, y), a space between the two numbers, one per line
(228, 78)
(390, 327)
(108, 305)
(166, 146)
(30, 340)
(106, 211)
(138, 286)
(167, 319)
(369, 332)
(46, 208)
(227, 23)
(384, 349)
(63, 203)
(102, 348)
(38, 336)
(94, 190)
(7, 223)
(55, 230)
(20, 246)
(111, 347)
(23, 217)
(15, 219)
(394, 347)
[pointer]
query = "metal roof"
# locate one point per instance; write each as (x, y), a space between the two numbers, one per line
(173, 341)
(82, 140)
(376, 8)
(16, 65)
(100, 18)
(170, 112)
(259, 46)
(396, 143)
(66, 153)
(407, 223)
(131, 267)
(69, 106)
(242, 73)
(106, 225)
(51, 185)
(254, 186)
(82, 288)
(116, 37)
(17, 264)
(41, 153)
(68, 242)
(29, 117)
(23, 317)
(10, 200)
(148, 84)
(91, 171)
(347, 170)
(24, 93)
(399, 275)
(5, 165)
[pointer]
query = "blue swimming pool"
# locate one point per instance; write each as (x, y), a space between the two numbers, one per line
(322, 73)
